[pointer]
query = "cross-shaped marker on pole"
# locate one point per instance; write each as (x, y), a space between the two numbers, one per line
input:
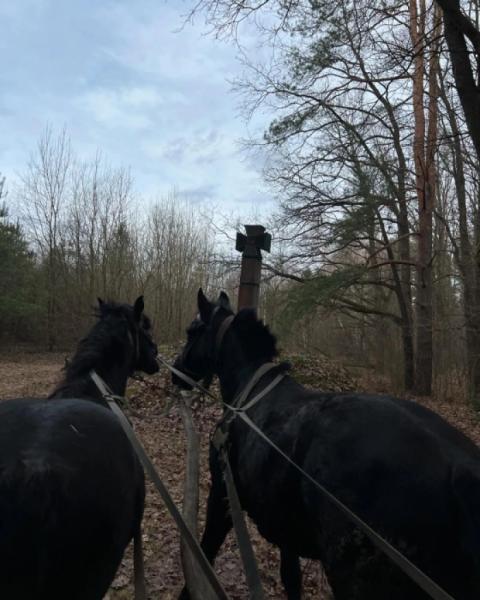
(250, 246)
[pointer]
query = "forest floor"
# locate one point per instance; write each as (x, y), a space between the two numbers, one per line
(158, 423)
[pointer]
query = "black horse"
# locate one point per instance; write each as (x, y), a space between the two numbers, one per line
(400, 467)
(71, 487)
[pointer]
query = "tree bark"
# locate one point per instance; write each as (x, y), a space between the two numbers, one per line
(459, 28)
(464, 255)
(424, 148)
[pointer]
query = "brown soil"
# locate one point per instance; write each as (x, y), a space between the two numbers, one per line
(158, 424)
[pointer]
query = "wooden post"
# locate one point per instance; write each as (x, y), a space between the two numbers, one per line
(250, 246)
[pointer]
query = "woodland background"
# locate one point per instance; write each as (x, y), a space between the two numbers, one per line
(372, 157)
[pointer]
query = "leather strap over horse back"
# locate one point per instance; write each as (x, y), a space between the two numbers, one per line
(220, 435)
(241, 402)
(222, 330)
(247, 554)
(411, 570)
(150, 469)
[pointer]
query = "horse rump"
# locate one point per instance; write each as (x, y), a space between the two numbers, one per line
(67, 509)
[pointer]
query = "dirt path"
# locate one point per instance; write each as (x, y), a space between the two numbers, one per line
(163, 437)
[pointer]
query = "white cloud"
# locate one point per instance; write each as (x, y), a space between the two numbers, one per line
(107, 108)
(128, 107)
(152, 41)
(125, 80)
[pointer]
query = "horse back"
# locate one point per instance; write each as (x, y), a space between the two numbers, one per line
(388, 460)
(71, 496)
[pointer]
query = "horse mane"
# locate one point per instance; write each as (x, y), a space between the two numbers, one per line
(254, 336)
(103, 345)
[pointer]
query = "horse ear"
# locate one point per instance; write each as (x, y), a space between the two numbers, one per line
(224, 301)
(101, 307)
(204, 306)
(138, 308)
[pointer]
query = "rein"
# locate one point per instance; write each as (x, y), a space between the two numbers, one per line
(239, 408)
(191, 382)
(220, 436)
(136, 346)
(222, 330)
(149, 467)
(219, 440)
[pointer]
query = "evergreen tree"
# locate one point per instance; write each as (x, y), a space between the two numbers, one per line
(19, 302)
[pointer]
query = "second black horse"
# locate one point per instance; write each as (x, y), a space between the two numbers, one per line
(404, 470)
(71, 487)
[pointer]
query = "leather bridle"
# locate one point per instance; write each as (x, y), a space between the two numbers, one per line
(222, 330)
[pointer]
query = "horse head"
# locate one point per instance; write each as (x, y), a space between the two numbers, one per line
(198, 356)
(137, 328)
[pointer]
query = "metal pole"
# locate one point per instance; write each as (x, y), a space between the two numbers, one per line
(251, 245)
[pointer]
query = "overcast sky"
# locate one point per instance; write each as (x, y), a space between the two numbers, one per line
(123, 79)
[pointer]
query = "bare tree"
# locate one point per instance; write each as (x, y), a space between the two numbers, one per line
(176, 261)
(461, 34)
(44, 196)
(461, 223)
(338, 146)
(354, 90)
(424, 153)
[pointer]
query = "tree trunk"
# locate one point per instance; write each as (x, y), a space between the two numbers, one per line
(404, 297)
(459, 28)
(51, 301)
(402, 293)
(464, 256)
(424, 159)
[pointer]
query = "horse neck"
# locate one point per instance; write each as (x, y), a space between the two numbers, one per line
(82, 385)
(113, 369)
(235, 369)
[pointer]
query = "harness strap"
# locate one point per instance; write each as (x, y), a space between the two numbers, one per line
(420, 578)
(220, 435)
(244, 543)
(259, 373)
(186, 378)
(154, 476)
(222, 330)
(136, 345)
(219, 440)
(264, 392)
(104, 388)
